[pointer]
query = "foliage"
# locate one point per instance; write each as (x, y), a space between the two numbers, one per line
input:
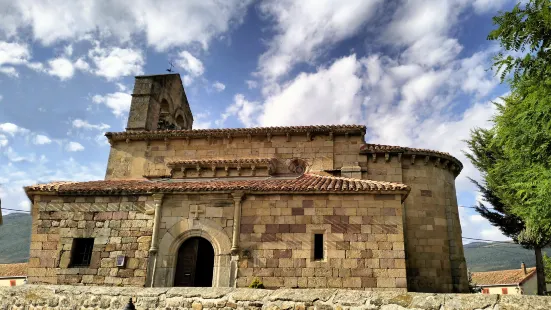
(525, 33)
(547, 264)
(483, 155)
(523, 131)
(256, 284)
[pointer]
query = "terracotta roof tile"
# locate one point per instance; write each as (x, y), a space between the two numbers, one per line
(514, 276)
(303, 183)
(381, 148)
(13, 270)
(224, 132)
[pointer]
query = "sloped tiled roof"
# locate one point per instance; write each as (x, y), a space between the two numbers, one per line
(509, 277)
(303, 183)
(224, 132)
(381, 148)
(13, 270)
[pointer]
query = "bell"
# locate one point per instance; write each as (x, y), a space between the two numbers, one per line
(130, 305)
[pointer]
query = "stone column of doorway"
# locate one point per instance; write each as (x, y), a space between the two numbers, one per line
(237, 197)
(154, 249)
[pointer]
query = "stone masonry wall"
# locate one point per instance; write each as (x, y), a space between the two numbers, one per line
(432, 229)
(363, 236)
(137, 158)
(70, 297)
(196, 215)
(118, 226)
(434, 251)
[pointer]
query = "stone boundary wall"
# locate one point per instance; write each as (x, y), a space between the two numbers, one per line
(81, 297)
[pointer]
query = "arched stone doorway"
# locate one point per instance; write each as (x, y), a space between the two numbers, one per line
(178, 234)
(194, 263)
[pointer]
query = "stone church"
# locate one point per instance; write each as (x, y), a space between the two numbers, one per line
(297, 207)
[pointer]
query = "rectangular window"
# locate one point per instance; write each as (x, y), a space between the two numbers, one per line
(318, 247)
(81, 252)
(485, 291)
(504, 290)
(12, 282)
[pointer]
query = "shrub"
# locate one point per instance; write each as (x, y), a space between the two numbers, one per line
(256, 284)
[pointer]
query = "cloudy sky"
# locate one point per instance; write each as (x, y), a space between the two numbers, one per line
(416, 73)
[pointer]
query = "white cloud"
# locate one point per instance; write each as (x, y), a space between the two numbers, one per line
(246, 111)
(190, 64)
(13, 178)
(417, 20)
(329, 96)
(484, 6)
(432, 50)
(114, 63)
(477, 218)
(41, 139)
(68, 50)
(78, 123)
(53, 21)
(494, 234)
(187, 80)
(12, 53)
(218, 86)
(251, 84)
(74, 147)
(304, 29)
(82, 65)
(3, 140)
(118, 102)
(201, 120)
(62, 68)
(9, 71)
(121, 87)
(13, 156)
(12, 129)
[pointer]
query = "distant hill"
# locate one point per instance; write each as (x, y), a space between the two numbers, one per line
(483, 256)
(15, 238)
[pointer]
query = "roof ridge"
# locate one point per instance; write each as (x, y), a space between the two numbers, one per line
(243, 129)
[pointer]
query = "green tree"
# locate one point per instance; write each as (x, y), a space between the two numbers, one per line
(547, 264)
(525, 35)
(520, 177)
(485, 153)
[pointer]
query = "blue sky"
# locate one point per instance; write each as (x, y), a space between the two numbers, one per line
(416, 73)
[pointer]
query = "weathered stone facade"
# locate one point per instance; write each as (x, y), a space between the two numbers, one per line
(118, 226)
(387, 215)
(70, 297)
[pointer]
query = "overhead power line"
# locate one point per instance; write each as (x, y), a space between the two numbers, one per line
(15, 210)
(477, 239)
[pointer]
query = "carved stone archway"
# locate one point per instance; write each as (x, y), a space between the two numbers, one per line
(180, 232)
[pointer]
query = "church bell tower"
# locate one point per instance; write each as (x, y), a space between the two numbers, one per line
(159, 102)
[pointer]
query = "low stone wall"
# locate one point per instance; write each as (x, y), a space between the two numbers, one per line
(81, 297)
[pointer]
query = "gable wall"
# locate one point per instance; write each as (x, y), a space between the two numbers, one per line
(135, 158)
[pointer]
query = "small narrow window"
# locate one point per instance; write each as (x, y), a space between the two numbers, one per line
(82, 252)
(12, 282)
(504, 291)
(485, 291)
(318, 246)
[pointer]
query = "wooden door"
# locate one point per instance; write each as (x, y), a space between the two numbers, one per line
(195, 263)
